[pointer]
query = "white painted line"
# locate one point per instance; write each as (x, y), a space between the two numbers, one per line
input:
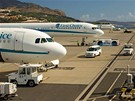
(113, 83)
(132, 57)
(94, 100)
(98, 97)
(112, 97)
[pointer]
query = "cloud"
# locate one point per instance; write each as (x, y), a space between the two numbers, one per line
(120, 16)
(102, 15)
(85, 17)
(127, 17)
(130, 14)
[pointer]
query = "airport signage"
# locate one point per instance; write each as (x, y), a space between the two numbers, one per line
(68, 26)
(5, 36)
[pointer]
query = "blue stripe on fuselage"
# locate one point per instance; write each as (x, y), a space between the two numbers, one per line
(22, 52)
(64, 31)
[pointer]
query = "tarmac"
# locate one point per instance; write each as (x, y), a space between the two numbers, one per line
(84, 69)
(75, 72)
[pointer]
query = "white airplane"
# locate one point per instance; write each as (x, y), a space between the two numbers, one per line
(19, 45)
(59, 29)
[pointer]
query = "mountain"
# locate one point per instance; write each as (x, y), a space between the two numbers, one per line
(16, 11)
(29, 7)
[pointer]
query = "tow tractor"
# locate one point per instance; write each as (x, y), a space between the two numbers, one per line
(7, 90)
(128, 88)
(26, 75)
(127, 31)
(128, 49)
(106, 42)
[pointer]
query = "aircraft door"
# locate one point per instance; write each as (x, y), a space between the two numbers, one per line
(19, 41)
(85, 29)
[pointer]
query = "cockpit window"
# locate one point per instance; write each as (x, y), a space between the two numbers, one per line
(37, 40)
(95, 28)
(43, 40)
(49, 39)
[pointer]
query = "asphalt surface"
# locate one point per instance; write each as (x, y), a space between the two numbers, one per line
(45, 92)
(109, 87)
(76, 72)
(49, 92)
(106, 90)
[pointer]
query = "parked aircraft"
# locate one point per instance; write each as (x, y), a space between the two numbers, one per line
(59, 29)
(20, 45)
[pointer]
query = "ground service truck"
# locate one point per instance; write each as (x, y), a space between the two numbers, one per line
(26, 75)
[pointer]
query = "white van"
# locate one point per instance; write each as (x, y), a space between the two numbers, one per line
(93, 51)
(128, 49)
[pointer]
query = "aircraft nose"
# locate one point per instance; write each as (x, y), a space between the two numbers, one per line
(100, 32)
(60, 50)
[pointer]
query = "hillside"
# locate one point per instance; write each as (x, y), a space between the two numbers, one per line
(29, 7)
(16, 11)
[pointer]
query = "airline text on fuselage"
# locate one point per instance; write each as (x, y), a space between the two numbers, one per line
(68, 26)
(5, 36)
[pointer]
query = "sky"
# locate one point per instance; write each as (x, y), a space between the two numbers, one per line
(92, 10)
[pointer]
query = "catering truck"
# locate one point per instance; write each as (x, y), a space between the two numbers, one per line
(26, 75)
